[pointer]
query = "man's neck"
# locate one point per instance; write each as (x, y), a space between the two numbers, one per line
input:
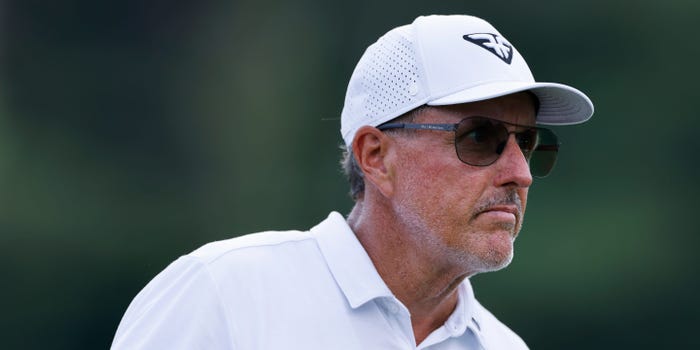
(426, 288)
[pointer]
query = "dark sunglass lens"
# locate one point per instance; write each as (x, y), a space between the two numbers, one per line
(527, 140)
(479, 141)
(545, 154)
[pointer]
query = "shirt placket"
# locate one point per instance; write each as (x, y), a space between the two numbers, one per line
(398, 318)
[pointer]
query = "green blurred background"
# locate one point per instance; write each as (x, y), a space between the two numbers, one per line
(132, 132)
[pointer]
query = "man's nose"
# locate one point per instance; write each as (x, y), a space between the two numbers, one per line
(513, 167)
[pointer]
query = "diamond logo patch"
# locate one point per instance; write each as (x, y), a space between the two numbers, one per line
(495, 44)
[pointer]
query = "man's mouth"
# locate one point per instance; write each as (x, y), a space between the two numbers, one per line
(506, 212)
(511, 209)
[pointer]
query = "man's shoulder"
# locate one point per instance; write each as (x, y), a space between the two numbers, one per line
(250, 243)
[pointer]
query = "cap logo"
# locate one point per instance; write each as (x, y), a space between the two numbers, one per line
(495, 44)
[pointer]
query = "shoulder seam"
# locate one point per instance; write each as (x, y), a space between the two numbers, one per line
(227, 251)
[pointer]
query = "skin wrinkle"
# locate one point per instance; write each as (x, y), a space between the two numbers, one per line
(428, 220)
(411, 211)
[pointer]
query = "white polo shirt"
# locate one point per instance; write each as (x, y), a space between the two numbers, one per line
(291, 290)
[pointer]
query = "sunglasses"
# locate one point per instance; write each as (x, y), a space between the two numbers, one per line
(479, 141)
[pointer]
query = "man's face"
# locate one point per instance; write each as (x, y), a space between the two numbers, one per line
(463, 216)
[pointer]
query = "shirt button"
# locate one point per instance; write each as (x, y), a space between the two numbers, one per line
(453, 329)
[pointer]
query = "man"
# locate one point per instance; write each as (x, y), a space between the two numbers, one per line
(439, 123)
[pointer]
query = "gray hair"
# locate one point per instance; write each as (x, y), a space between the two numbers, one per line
(348, 163)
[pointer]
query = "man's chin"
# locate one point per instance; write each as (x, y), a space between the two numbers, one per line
(493, 260)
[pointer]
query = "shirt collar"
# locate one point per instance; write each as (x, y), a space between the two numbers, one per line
(466, 314)
(360, 282)
(348, 261)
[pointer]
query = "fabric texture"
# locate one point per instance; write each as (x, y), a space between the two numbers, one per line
(316, 289)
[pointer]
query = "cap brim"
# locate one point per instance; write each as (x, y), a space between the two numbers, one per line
(559, 104)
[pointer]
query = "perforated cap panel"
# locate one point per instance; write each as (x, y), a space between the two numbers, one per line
(385, 84)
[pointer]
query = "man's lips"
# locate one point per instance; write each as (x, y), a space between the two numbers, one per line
(503, 210)
(503, 207)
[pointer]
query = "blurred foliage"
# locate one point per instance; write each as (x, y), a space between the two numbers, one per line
(132, 132)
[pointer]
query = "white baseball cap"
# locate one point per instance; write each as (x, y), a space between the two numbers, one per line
(445, 60)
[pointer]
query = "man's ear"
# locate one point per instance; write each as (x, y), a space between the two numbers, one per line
(370, 148)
